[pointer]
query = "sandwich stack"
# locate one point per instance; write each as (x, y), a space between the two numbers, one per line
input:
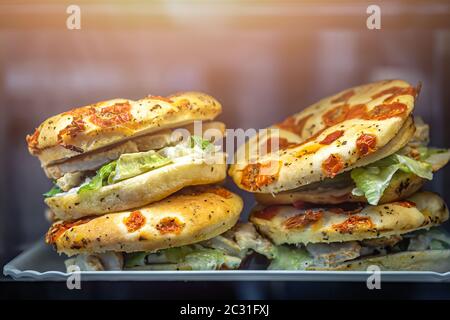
(343, 189)
(132, 191)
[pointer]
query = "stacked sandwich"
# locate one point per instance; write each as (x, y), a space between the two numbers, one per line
(133, 186)
(338, 184)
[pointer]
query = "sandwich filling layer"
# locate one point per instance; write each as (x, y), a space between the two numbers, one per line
(348, 254)
(129, 165)
(226, 251)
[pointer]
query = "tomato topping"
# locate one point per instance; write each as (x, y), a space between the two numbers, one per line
(406, 204)
(354, 223)
(304, 219)
(161, 98)
(134, 221)
(336, 115)
(332, 165)
(253, 176)
(268, 213)
(33, 141)
(344, 97)
(366, 143)
(170, 225)
(329, 139)
(58, 229)
(224, 193)
(394, 92)
(293, 125)
(386, 111)
(116, 114)
(357, 111)
(81, 112)
(75, 127)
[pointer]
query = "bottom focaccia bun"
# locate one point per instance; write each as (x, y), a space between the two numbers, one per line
(418, 251)
(192, 215)
(225, 251)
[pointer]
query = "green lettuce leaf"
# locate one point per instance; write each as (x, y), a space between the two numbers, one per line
(135, 259)
(372, 180)
(100, 179)
(127, 166)
(209, 259)
(200, 142)
(426, 152)
(291, 258)
(439, 236)
(432, 239)
(53, 191)
(194, 257)
(133, 164)
(419, 168)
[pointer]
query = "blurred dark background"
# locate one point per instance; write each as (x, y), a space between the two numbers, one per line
(263, 60)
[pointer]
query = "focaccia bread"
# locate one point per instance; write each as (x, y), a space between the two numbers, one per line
(347, 130)
(192, 215)
(333, 223)
(137, 191)
(427, 260)
(93, 160)
(339, 189)
(92, 127)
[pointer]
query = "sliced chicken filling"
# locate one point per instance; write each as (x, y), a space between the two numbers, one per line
(129, 165)
(333, 254)
(72, 172)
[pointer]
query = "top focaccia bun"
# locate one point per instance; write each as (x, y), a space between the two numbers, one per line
(89, 128)
(347, 130)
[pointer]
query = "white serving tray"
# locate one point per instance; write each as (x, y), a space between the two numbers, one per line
(41, 263)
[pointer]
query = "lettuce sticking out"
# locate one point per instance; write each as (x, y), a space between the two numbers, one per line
(193, 257)
(425, 152)
(291, 258)
(133, 164)
(135, 259)
(437, 158)
(100, 179)
(372, 180)
(199, 142)
(53, 191)
(433, 239)
(127, 166)
(209, 259)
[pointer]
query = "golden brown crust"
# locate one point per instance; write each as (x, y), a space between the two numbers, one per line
(89, 128)
(326, 224)
(334, 135)
(192, 215)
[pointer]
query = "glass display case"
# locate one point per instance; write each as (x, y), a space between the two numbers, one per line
(263, 60)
